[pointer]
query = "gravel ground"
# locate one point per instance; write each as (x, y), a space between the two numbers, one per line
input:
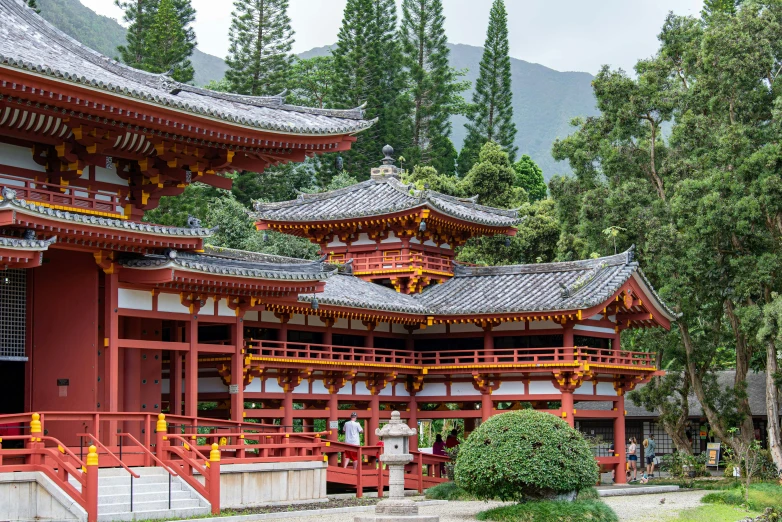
(636, 508)
(645, 508)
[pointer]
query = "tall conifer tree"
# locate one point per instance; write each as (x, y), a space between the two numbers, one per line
(491, 115)
(140, 15)
(434, 85)
(259, 59)
(167, 46)
(368, 70)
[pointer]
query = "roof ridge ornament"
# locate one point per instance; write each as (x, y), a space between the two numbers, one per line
(387, 169)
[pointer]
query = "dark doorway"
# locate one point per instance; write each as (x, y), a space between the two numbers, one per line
(11, 387)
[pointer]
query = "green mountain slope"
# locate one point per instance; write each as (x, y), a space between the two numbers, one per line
(104, 35)
(544, 100)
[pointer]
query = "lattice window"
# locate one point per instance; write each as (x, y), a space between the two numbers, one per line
(13, 314)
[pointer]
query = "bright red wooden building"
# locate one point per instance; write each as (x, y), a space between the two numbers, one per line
(102, 313)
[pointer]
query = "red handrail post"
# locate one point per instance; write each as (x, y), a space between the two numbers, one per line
(214, 476)
(161, 438)
(36, 431)
(91, 487)
(359, 467)
(420, 473)
(379, 479)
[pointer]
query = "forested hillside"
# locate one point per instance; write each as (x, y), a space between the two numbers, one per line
(544, 100)
(104, 35)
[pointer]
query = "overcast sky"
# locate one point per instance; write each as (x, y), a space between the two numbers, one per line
(566, 35)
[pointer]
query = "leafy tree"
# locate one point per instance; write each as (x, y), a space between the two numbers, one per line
(530, 177)
(140, 15)
(492, 178)
(259, 59)
(424, 177)
(491, 114)
(713, 7)
(312, 81)
(434, 86)
(221, 85)
(770, 334)
(367, 60)
(167, 47)
(703, 206)
(34, 6)
(277, 183)
(194, 201)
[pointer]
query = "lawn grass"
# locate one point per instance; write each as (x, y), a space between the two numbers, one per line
(552, 511)
(713, 513)
(761, 496)
(448, 491)
(708, 484)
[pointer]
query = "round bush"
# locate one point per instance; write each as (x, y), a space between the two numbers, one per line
(524, 455)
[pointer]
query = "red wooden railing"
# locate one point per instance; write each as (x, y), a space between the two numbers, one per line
(329, 352)
(354, 354)
(414, 260)
(62, 195)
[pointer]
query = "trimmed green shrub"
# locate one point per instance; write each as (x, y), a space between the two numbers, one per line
(552, 511)
(448, 491)
(523, 455)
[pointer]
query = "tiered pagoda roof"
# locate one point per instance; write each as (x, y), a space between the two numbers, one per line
(377, 198)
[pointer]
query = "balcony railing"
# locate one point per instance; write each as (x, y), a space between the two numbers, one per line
(64, 196)
(413, 261)
(515, 356)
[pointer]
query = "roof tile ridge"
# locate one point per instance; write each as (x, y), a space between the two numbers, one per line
(304, 197)
(469, 203)
(261, 264)
(228, 253)
(356, 113)
(462, 270)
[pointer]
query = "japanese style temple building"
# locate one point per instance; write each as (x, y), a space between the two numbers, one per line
(103, 313)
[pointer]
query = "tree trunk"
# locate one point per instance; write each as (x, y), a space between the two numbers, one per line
(743, 355)
(772, 405)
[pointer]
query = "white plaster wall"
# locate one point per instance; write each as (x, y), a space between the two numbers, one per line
(463, 389)
(430, 243)
(398, 328)
(399, 390)
(335, 243)
(20, 157)
(363, 239)
(356, 324)
(587, 388)
(134, 299)
(271, 386)
(254, 386)
(605, 388)
(391, 238)
(171, 303)
(208, 308)
(297, 319)
(434, 329)
(109, 176)
(319, 387)
(268, 317)
(415, 240)
(434, 389)
(509, 327)
(223, 309)
(510, 388)
(252, 315)
(361, 388)
(542, 387)
(211, 385)
(598, 329)
(341, 322)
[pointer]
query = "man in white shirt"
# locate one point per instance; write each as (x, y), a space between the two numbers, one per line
(353, 431)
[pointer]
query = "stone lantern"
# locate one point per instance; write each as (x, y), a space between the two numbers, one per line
(396, 453)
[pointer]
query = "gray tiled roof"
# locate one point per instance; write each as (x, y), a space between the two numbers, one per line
(540, 287)
(28, 42)
(352, 292)
(34, 245)
(376, 197)
(311, 271)
(8, 200)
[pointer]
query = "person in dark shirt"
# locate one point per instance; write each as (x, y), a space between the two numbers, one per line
(438, 448)
(452, 441)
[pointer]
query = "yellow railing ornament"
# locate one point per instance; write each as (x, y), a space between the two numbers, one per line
(92, 456)
(214, 455)
(35, 424)
(161, 426)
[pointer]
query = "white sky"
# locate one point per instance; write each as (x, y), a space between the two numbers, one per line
(565, 35)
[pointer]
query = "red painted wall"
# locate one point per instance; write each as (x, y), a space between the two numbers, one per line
(65, 337)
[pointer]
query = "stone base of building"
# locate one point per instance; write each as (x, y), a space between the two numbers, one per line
(34, 496)
(253, 485)
(396, 518)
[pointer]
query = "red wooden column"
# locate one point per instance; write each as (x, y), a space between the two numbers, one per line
(373, 422)
(413, 420)
(131, 377)
(619, 440)
(287, 409)
(328, 332)
(175, 376)
(237, 368)
(488, 343)
(567, 407)
(191, 369)
(369, 340)
(486, 405)
(567, 340)
(333, 432)
(111, 347)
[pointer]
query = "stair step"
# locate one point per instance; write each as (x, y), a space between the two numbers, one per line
(176, 485)
(152, 496)
(161, 480)
(105, 509)
(154, 514)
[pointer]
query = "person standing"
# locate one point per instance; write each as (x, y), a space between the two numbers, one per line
(650, 455)
(633, 459)
(452, 440)
(438, 448)
(353, 431)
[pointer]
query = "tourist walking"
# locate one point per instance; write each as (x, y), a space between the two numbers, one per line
(353, 431)
(651, 448)
(633, 459)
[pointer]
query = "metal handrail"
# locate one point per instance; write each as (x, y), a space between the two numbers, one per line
(122, 464)
(162, 464)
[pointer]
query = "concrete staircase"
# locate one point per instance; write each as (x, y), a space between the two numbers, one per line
(150, 496)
